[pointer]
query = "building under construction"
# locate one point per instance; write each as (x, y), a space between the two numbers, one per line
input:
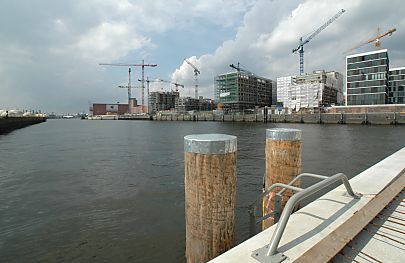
(162, 100)
(237, 91)
(311, 90)
(191, 104)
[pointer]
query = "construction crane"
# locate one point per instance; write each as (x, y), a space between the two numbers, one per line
(129, 87)
(300, 47)
(143, 65)
(158, 80)
(375, 39)
(147, 88)
(177, 85)
(239, 69)
(196, 72)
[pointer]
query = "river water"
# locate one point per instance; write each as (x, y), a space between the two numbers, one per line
(113, 191)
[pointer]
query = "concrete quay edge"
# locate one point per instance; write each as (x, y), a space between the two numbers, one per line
(314, 230)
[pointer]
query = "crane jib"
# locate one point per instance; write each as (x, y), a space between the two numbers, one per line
(316, 32)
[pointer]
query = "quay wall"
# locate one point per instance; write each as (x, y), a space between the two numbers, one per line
(386, 108)
(372, 118)
(10, 124)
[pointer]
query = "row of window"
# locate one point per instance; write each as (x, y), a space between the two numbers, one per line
(367, 70)
(367, 57)
(396, 85)
(397, 72)
(375, 76)
(366, 84)
(397, 77)
(366, 99)
(396, 94)
(396, 88)
(396, 100)
(366, 90)
(368, 64)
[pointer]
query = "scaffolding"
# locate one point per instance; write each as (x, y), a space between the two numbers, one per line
(162, 100)
(237, 91)
(310, 91)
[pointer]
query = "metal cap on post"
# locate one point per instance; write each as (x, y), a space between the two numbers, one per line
(210, 143)
(210, 195)
(283, 164)
(283, 134)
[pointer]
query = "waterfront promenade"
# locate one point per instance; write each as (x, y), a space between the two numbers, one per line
(336, 221)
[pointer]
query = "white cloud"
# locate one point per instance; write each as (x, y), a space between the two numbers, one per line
(110, 41)
(271, 29)
(56, 56)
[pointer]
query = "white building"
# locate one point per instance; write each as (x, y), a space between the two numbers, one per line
(311, 90)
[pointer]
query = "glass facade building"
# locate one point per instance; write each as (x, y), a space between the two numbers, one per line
(367, 78)
(396, 94)
(237, 91)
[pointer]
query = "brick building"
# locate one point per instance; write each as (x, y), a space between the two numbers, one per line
(114, 108)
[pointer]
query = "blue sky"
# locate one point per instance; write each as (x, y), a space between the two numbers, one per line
(50, 50)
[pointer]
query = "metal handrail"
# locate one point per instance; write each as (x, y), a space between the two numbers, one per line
(275, 239)
(253, 206)
(317, 176)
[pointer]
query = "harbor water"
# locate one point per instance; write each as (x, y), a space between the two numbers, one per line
(113, 191)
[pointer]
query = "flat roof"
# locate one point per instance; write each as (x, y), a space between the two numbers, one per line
(397, 68)
(367, 53)
(243, 73)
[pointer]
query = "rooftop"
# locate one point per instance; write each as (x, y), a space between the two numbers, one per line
(367, 53)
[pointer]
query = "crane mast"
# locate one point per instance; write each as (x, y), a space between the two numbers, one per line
(143, 65)
(147, 89)
(300, 47)
(129, 87)
(196, 72)
(129, 91)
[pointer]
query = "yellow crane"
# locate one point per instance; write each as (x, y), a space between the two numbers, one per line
(375, 39)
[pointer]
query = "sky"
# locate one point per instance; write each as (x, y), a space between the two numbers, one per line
(50, 51)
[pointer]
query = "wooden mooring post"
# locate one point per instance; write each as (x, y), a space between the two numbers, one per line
(210, 195)
(283, 164)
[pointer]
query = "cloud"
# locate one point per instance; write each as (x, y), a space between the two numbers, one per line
(49, 59)
(271, 29)
(110, 41)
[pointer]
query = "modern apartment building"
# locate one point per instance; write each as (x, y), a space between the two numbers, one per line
(312, 90)
(238, 91)
(396, 89)
(367, 78)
